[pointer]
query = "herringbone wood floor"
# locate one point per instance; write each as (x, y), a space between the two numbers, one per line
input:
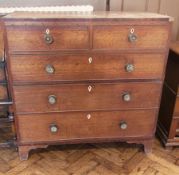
(92, 159)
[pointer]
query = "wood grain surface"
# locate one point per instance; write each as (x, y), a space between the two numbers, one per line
(109, 36)
(148, 37)
(76, 67)
(64, 38)
(76, 97)
(35, 128)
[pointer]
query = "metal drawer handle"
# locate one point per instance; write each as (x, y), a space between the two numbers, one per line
(49, 69)
(129, 68)
(126, 97)
(52, 99)
(132, 37)
(53, 128)
(123, 125)
(48, 38)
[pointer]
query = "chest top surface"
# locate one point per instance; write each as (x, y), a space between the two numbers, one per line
(86, 15)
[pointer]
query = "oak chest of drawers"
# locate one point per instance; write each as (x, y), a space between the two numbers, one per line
(168, 123)
(85, 77)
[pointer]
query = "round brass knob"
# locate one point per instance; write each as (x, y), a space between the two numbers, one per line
(49, 69)
(52, 99)
(132, 37)
(123, 125)
(129, 68)
(127, 97)
(53, 128)
(48, 39)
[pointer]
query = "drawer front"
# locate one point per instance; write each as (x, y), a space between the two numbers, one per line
(32, 38)
(85, 97)
(81, 125)
(86, 67)
(176, 111)
(130, 37)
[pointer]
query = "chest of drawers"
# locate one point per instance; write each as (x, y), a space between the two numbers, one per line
(168, 123)
(80, 78)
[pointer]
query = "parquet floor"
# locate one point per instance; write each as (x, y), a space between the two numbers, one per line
(92, 159)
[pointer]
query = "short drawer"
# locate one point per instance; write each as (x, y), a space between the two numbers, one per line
(83, 125)
(176, 110)
(86, 67)
(85, 97)
(130, 37)
(44, 38)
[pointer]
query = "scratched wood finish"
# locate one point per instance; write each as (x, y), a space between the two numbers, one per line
(85, 67)
(75, 37)
(148, 37)
(74, 97)
(69, 123)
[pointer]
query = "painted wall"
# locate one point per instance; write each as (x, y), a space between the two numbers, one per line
(98, 4)
(169, 7)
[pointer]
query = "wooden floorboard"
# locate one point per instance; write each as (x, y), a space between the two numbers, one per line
(91, 159)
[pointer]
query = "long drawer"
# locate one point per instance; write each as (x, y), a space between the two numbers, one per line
(44, 38)
(49, 68)
(118, 37)
(86, 97)
(83, 125)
